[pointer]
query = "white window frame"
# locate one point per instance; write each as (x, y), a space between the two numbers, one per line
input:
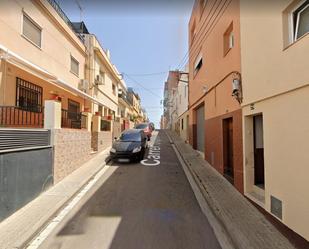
(24, 14)
(231, 40)
(294, 30)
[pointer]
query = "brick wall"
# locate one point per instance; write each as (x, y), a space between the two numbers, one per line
(71, 149)
(101, 140)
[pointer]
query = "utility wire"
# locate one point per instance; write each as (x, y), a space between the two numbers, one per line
(154, 94)
(208, 28)
(147, 74)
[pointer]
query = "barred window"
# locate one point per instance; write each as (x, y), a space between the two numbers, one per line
(28, 96)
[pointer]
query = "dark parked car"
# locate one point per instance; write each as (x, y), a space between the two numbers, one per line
(131, 145)
(147, 128)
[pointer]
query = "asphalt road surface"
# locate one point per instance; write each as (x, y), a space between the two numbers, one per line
(148, 205)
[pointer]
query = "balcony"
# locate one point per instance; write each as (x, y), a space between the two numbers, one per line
(65, 18)
(13, 116)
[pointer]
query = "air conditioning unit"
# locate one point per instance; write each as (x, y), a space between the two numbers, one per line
(99, 80)
(83, 85)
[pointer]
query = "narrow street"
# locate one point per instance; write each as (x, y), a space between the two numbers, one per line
(140, 206)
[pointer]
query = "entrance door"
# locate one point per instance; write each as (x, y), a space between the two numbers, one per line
(258, 151)
(228, 156)
(200, 129)
(187, 128)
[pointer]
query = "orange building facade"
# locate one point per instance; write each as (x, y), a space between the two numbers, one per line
(215, 122)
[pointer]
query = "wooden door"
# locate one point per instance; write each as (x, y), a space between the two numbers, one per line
(228, 155)
(258, 151)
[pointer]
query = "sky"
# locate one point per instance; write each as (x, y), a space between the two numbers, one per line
(146, 39)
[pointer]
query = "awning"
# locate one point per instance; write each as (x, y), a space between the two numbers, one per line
(13, 57)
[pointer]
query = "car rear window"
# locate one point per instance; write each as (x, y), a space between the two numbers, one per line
(141, 126)
(131, 137)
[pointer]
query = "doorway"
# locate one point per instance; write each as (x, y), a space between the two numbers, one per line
(200, 129)
(228, 156)
(259, 179)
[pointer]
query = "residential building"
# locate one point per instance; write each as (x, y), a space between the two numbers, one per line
(248, 94)
(135, 103)
(182, 106)
(124, 109)
(104, 82)
(169, 102)
(42, 64)
(42, 67)
(274, 50)
(215, 118)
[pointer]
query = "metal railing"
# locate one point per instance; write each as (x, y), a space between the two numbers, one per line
(64, 17)
(12, 116)
(73, 120)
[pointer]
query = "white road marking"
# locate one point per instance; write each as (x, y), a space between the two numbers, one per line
(38, 240)
(153, 157)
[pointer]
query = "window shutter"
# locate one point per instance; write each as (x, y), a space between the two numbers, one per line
(31, 31)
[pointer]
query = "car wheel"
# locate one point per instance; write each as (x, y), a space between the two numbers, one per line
(141, 156)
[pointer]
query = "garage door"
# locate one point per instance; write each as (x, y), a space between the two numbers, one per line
(200, 129)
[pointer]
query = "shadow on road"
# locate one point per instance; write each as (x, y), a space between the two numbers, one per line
(141, 207)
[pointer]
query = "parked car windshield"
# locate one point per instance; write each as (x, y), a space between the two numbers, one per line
(141, 126)
(130, 137)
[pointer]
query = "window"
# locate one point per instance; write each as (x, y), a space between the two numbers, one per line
(228, 39)
(182, 124)
(198, 64)
(31, 31)
(301, 20)
(114, 89)
(129, 136)
(74, 66)
(28, 96)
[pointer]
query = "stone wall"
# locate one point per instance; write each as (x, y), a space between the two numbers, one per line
(71, 149)
(101, 140)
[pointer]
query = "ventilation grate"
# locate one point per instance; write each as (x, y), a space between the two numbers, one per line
(22, 138)
(276, 207)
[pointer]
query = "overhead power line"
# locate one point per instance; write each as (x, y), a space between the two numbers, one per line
(147, 74)
(154, 94)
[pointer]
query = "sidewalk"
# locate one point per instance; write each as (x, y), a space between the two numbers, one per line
(242, 222)
(18, 229)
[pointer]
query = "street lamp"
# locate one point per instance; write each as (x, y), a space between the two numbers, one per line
(237, 87)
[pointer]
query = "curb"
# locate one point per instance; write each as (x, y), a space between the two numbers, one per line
(236, 218)
(221, 233)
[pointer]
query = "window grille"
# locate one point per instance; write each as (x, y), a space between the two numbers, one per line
(28, 96)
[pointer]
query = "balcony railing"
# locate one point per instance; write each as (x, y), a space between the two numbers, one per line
(12, 116)
(73, 120)
(64, 17)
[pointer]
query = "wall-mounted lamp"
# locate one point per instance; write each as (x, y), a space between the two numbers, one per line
(237, 87)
